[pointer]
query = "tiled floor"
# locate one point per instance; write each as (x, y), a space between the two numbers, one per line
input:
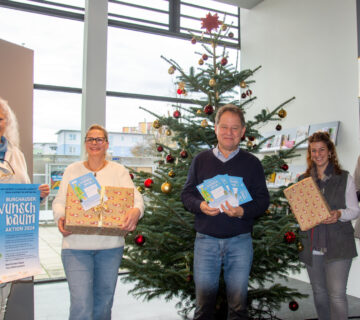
(52, 299)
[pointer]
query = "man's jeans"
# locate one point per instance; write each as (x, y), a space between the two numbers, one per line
(92, 277)
(328, 281)
(235, 254)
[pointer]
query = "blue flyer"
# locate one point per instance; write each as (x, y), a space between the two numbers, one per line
(88, 190)
(19, 231)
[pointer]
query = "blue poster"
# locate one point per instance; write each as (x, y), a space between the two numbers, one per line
(19, 231)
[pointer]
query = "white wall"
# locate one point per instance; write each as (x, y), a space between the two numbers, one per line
(307, 49)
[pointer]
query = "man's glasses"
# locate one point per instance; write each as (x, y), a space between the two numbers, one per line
(6, 170)
(90, 140)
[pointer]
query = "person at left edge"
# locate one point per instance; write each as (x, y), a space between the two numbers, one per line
(13, 169)
(91, 262)
(224, 239)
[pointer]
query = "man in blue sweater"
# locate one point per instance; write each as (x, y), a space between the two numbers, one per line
(223, 238)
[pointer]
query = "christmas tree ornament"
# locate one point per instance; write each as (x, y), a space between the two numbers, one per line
(223, 27)
(189, 278)
(210, 22)
(267, 211)
(168, 132)
(231, 35)
(282, 113)
(208, 109)
(285, 167)
(131, 176)
(248, 92)
(166, 187)
(183, 154)
(181, 85)
(289, 237)
(199, 112)
(156, 124)
(171, 70)
(139, 239)
(171, 174)
(249, 144)
(201, 62)
(148, 183)
(193, 40)
(184, 92)
(170, 158)
(278, 127)
(204, 123)
(243, 95)
(300, 246)
(243, 138)
(223, 61)
(205, 57)
(140, 189)
(243, 84)
(176, 114)
(160, 148)
(179, 91)
(293, 305)
(251, 138)
(212, 82)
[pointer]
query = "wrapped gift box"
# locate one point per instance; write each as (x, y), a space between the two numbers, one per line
(307, 203)
(104, 219)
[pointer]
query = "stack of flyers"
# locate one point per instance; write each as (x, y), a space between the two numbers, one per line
(222, 188)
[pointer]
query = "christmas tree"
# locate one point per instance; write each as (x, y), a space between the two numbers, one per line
(159, 254)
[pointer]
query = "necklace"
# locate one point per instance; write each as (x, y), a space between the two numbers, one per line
(95, 171)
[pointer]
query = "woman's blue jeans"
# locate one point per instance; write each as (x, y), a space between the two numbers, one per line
(235, 256)
(92, 277)
(328, 281)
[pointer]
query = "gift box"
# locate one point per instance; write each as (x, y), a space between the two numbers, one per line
(104, 219)
(307, 203)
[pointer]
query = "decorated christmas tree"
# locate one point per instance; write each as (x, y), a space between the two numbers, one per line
(159, 254)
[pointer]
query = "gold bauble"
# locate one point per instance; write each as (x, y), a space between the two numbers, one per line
(201, 62)
(168, 132)
(282, 113)
(171, 70)
(166, 187)
(140, 189)
(171, 174)
(224, 27)
(156, 124)
(243, 84)
(249, 144)
(212, 82)
(300, 246)
(199, 112)
(181, 85)
(204, 123)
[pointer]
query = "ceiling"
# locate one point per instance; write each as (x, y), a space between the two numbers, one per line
(247, 4)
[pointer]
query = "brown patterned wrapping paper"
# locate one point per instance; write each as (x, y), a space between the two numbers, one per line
(307, 203)
(109, 215)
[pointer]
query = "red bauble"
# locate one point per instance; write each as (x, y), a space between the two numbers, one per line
(231, 35)
(243, 138)
(179, 91)
(160, 148)
(193, 40)
(208, 109)
(293, 305)
(183, 154)
(285, 167)
(223, 61)
(251, 138)
(278, 127)
(248, 92)
(148, 183)
(131, 176)
(139, 240)
(289, 237)
(205, 57)
(189, 278)
(176, 114)
(170, 158)
(243, 95)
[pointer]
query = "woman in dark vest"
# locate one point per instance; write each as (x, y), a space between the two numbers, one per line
(330, 247)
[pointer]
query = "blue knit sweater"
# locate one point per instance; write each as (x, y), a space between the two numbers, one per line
(205, 166)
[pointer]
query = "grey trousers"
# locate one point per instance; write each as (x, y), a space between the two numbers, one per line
(328, 281)
(4, 293)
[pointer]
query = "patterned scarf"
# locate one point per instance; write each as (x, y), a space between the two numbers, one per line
(3, 148)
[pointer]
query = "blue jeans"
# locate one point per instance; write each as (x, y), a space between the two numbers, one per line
(210, 254)
(328, 281)
(92, 277)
